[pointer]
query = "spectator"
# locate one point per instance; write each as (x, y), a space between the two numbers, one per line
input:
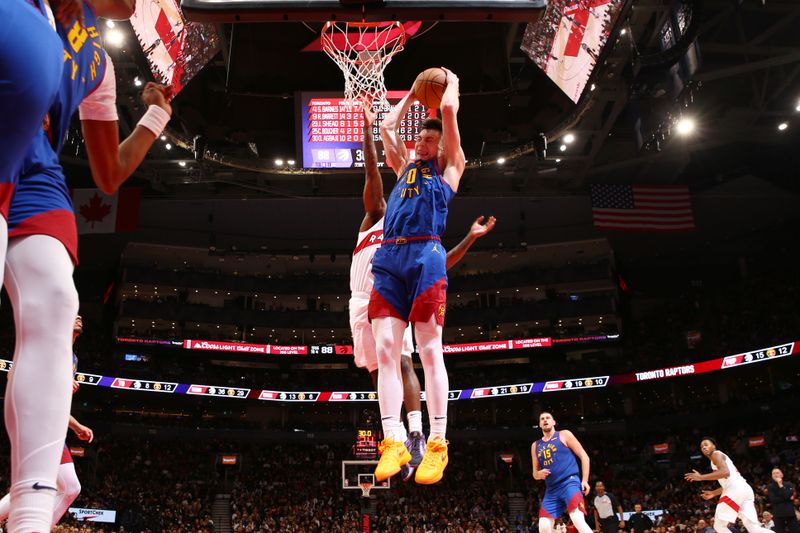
(780, 495)
(766, 520)
(641, 523)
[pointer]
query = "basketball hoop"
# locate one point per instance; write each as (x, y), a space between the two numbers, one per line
(362, 50)
(365, 486)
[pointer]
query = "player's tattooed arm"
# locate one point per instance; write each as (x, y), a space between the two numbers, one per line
(112, 162)
(374, 202)
(571, 442)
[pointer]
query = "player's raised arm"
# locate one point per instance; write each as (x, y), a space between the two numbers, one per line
(374, 202)
(476, 231)
(571, 442)
(455, 161)
(720, 473)
(393, 145)
(110, 161)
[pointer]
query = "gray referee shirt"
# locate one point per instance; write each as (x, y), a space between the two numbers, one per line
(604, 505)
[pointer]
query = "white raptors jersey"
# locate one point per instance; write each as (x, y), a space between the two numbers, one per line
(361, 278)
(734, 477)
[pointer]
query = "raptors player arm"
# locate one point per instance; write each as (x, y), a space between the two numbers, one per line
(83, 432)
(110, 161)
(571, 442)
(374, 203)
(455, 161)
(720, 473)
(476, 231)
(708, 494)
(393, 145)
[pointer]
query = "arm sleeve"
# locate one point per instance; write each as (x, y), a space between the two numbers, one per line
(101, 104)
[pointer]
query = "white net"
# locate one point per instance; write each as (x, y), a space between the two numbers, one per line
(362, 50)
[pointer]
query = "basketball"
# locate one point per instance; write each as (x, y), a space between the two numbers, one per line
(429, 87)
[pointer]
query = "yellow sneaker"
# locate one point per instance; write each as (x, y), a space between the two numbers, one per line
(394, 455)
(431, 469)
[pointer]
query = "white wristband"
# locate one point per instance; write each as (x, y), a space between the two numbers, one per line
(155, 120)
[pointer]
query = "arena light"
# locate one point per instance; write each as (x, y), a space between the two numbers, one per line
(290, 162)
(115, 38)
(624, 31)
(558, 161)
(168, 146)
(137, 82)
(110, 24)
(563, 147)
(182, 163)
(501, 160)
(685, 126)
(783, 126)
(798, 107)
(279, 162)
(569, 138)
(163, 137)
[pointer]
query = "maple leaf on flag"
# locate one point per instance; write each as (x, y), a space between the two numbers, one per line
(95, 210)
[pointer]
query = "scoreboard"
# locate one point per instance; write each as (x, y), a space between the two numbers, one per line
(332, 133)
(366, 446)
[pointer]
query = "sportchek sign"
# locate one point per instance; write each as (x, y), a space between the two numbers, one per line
(94, 515)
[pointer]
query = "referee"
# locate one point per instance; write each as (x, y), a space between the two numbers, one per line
(607, 511)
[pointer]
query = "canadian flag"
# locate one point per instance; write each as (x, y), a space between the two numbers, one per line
(97, 213)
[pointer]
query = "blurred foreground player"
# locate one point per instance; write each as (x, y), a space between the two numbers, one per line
(411, 276)
(370, 235)
(42, 252)
(67, 483)
(736, 496)
(31, 62)
(554, 461)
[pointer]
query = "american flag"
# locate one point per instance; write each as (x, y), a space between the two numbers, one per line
(653, 208)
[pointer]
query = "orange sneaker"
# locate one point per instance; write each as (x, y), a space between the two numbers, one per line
(394, 455)
(431, 469)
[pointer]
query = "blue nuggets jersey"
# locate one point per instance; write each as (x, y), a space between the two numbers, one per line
(84, 67)
(418, 202)
(555, 456)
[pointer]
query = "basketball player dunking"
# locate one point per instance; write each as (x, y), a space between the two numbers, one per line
(553, 458)
(370, 235)
(411, 276)
(736, 496)
(42, 252)
(69, 488)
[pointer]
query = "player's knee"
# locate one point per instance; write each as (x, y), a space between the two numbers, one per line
(721, 526)
(545, 525)
(72, 489)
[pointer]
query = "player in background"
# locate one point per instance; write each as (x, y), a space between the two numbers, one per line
(67, 481)
(553, 458)
(42, 253)
(736, 496)
(370, 235)
(411, 276)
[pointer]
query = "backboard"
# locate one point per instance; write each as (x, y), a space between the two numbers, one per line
(362, 10)
(354, 473)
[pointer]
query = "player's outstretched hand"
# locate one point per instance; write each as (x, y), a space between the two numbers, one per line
(66, 11)
(480, 228)
(585, 488)
(369, 115)
(451, 76)
(707, 494)
(155, 94)
(694, 475)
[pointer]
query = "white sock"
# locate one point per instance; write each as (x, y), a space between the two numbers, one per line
(388, 333)
(415, 421)
(39, 391)
(69, 488)
(437, 383)
(393, 428)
